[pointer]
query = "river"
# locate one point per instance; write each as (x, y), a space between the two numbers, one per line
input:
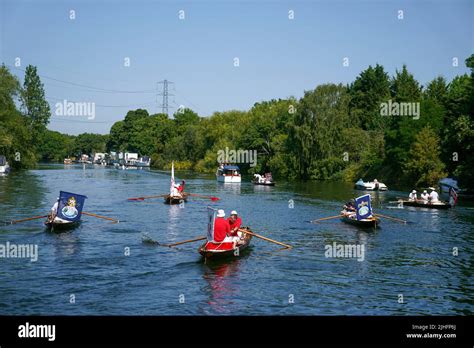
(101, 268)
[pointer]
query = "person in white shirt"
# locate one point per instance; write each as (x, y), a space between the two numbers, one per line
(412, 196)
(175, 192)
(434, 198)
(425, 196)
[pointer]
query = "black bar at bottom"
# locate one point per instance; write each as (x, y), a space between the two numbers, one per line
(414, 330)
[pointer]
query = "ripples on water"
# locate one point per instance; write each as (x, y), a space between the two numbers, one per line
(414, 260)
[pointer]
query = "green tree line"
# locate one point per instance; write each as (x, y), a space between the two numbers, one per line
(333, 132)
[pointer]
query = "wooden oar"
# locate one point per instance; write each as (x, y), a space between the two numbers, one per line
(212, 198)
(100, 217)
(145, 197)
(265, 238)
(391, 218)
(327, 218)
(27, 219)
(149, 240)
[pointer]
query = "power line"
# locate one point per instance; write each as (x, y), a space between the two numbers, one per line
(97, 89)
(106, 106)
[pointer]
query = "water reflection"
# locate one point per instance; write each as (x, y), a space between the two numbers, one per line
(222, 284)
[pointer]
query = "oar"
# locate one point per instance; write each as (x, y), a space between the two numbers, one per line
(212, 198)
(174, 244)
(145, 197)
(100, 217)
(265, 238)
(27, 219)
(391, 218)
(326, 218)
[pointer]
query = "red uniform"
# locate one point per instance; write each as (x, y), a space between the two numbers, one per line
(221, 229)
(234, 224)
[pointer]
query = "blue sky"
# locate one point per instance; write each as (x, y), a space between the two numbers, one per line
(278, 57)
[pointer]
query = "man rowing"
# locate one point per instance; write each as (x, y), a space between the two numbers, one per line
(412, 196)
(181, 187)
(234, 222)
(425, 197)
(434, 198)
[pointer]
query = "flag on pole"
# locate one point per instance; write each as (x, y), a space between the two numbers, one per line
(172, 179)
(363, 207)
(453, 197)
(70, 206)
(211, 217)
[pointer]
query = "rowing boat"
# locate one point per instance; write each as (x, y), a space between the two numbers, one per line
(439, 205)
(176, 200)
(212, 250)
(60, 225)
(350, 218)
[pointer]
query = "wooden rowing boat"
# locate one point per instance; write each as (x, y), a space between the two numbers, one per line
(350, 218)
(210, 250)
(176, 200)
(440, 205)
(57, 225)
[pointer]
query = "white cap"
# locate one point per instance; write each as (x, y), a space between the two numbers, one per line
(220, 213)
(425, 191)
(414, 191)
(233, 212)
(431, 188)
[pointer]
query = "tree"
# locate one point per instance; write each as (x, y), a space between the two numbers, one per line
(322, 115)
(424, 166)
(34, 104)
(16, 141)
(370, 88)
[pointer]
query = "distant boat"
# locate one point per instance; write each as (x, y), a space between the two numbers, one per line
(265, 180)
(229, 174)
(370, 185)
(67, 161)
(144, 161)
(4, 166)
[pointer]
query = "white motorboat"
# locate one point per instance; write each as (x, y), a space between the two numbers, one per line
(229, 174)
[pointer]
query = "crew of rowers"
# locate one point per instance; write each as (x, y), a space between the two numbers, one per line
(178, 189)
(432, 197)
(227, 230)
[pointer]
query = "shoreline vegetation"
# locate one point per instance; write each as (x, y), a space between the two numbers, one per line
(386, 127)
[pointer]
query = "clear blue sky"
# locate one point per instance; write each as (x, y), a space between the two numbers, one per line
(278, 57)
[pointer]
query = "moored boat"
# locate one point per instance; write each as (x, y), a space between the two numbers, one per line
(67, 161)
(228, 174)
(213, 250)
(143, 162)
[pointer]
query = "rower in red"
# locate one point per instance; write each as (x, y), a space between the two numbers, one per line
(235, 222)
(221, 227)
(181, 187)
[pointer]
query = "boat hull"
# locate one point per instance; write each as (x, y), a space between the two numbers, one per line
(61, 226)
(367, 223)
(175, 200)
(229, 179)
(216, 251)
(428, 205)
(263, 183)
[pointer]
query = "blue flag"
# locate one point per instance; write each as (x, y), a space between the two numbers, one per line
(363, 207)
(70, 206)
(211, 217)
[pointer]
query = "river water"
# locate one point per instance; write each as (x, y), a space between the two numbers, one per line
(407, 269)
